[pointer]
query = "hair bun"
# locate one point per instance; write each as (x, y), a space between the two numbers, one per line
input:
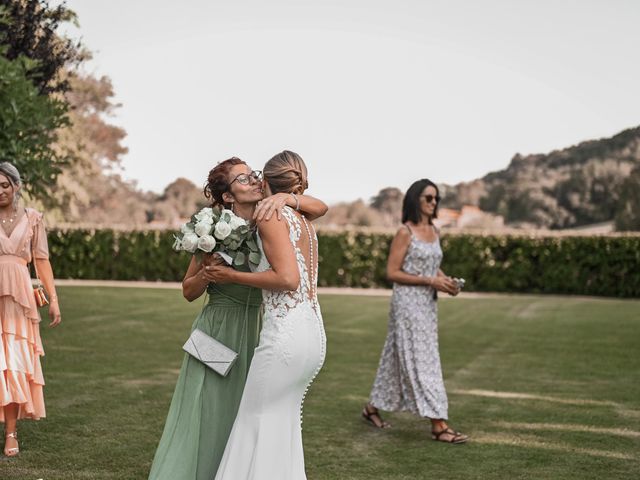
(286, 172)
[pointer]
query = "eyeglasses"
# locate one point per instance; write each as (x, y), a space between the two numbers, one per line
(431, 198)
(245, 178)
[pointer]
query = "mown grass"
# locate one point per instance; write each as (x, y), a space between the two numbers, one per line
(547, 387)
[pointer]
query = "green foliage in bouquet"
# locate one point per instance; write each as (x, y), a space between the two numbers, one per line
(215, 230)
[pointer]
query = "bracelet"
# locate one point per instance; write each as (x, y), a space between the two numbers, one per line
(295, 197)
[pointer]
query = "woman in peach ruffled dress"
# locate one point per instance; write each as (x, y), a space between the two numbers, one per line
(21, 235)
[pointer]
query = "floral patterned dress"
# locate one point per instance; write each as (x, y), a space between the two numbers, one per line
(409, 376)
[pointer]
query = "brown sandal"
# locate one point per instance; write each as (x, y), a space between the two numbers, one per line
(371, 416)
(456, 437)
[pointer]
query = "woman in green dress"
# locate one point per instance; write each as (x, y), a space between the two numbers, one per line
(205, 404)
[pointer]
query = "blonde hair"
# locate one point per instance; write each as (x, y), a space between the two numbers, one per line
(286, 172)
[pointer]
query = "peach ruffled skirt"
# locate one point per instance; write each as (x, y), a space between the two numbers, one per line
(21, 378)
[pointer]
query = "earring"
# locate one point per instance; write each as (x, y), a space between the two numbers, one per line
(232, 205)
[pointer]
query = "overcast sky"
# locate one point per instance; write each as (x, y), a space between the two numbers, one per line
(370, 93)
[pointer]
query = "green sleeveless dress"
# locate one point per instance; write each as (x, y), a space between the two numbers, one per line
(205, 404)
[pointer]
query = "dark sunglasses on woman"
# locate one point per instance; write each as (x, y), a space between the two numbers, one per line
(431, 198)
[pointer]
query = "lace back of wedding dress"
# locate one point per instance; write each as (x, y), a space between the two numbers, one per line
(266, 440)
(300, 233)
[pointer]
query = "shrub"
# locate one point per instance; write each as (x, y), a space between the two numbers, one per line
(608, 266)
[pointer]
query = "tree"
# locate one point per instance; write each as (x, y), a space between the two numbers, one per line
(388, 200)
(388, 204)
(628, 216)
(30, 30)
(32, 59)
(180, 199)
(90, 190)
(28, 124)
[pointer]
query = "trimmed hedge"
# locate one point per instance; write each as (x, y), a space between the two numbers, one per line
(606, 266)
(116, 255)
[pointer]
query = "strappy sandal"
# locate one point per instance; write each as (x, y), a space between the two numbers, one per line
(369, 418)
(12, 452)
(456, 437)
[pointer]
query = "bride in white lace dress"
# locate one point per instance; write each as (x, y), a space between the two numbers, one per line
(266, 439)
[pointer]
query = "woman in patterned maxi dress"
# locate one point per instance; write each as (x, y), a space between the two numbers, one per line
(409, 376)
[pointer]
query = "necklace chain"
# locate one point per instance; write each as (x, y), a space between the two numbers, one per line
(11, 218)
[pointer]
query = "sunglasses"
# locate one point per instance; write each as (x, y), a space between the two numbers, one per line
(431, 198)
(245, 178)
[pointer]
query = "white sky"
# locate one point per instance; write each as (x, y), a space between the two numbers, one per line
(371, 93)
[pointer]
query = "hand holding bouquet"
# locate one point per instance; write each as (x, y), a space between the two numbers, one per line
(213, 230)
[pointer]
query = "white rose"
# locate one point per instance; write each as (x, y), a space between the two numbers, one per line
(236, 222)
(186, 228)
(206, 221)
(190, 242)
(206, 243)
(205, 214)
(203, 228)
(222, 230)
(226, 210)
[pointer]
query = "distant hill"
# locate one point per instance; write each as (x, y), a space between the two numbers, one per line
(592, 182)
(383, 210)
(595, 182)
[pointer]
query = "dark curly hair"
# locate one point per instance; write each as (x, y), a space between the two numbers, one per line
(218, 181)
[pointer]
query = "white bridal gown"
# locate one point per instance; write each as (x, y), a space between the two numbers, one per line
(266, 439)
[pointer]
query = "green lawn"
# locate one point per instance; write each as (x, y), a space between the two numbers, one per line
(547, 387)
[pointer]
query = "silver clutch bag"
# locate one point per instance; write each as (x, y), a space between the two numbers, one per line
(215, 355)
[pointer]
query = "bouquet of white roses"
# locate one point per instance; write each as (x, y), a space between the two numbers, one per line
(212, 230)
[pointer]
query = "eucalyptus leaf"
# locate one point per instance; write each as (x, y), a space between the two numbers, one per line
(240, 259)
(251, 243)
(255, 258)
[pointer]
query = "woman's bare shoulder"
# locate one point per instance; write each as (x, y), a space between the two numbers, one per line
(403, 232)
(272, 224)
